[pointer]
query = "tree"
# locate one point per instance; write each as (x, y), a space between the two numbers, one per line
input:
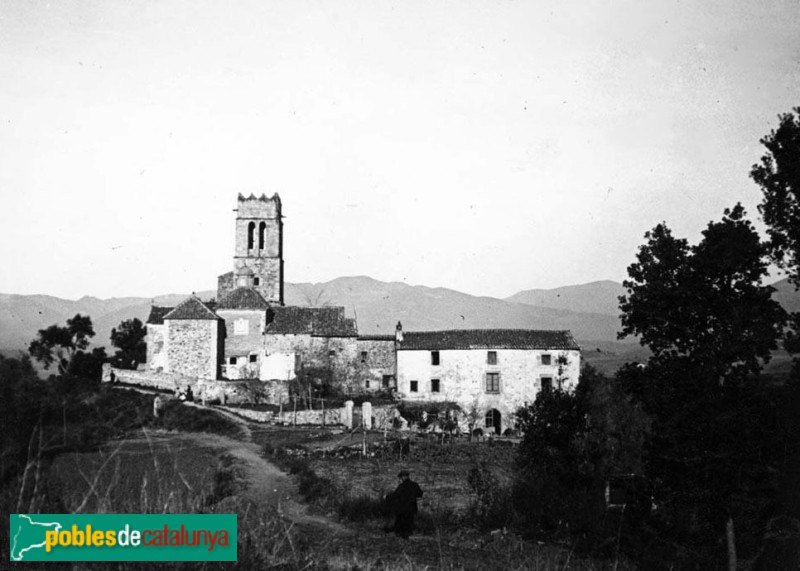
(778, 175)
(59, 345)
(573, 443)
(704, 304)
(129, 338)
(710, 323)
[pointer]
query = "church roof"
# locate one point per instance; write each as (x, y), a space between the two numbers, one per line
(191, 308)
(157, 313)
(242, 298)
(316, 321)
(488, 339)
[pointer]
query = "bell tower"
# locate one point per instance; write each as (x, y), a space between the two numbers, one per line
(258, 260)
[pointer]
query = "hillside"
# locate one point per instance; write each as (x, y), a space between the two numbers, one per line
(588, 310)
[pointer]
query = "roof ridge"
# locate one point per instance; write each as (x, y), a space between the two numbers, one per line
(191, 308)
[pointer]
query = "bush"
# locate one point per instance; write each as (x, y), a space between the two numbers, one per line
(493, 506)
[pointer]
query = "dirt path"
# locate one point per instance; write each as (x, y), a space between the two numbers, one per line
(264, 483)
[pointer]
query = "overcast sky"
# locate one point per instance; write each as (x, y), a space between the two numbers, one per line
(486, 146)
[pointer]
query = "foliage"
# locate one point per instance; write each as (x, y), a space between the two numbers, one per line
(704, 304)
(129, 339)
(59, 345)
(493, 507)
(778, 175)
(573, 444)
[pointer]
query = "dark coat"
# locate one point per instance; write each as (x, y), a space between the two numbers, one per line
(403, 500)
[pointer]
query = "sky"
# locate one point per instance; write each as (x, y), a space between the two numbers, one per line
(484, 146)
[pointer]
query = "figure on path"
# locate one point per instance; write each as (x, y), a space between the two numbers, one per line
(403, 503)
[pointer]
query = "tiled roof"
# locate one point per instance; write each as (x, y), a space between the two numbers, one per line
(157, 314)
(243, 298)
(375, 337)
(191, 308)
(317, 321)
(488, 339)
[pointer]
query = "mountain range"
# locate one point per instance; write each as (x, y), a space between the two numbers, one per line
(589, 310)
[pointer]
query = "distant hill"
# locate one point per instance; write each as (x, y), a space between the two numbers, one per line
(589, 311)
(595, 297)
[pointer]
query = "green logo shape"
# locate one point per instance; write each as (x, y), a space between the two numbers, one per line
(122, 537)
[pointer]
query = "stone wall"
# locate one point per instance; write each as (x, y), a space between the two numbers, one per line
(238, 392)
(193, 347)
(243, 335)
(156, 350)
(378, 362)
(462, 378)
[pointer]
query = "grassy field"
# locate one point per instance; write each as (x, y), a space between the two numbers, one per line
(328, 515)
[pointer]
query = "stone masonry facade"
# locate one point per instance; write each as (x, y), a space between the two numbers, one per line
(248, 333)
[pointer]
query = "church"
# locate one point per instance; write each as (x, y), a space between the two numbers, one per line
(248, 332)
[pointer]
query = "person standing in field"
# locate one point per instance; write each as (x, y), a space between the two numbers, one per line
(403, 503)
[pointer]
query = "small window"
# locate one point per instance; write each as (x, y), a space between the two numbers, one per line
(331, 353)
(256, 281)
(434, 357)
(546, 360)
(491, 358)
(414, 386)
(366, 384)
(547, 384)
(434, 385)
(363, 356)
(232, 360)
(492, 382)
(254, 358)
(387, 380)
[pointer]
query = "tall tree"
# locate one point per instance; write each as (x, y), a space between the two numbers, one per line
(704, 304)
(710, 323)
(778, 175)
(59, 345)
(129, 339)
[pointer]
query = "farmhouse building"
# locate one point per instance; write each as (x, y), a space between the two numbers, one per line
(248, 333)
(487, 372)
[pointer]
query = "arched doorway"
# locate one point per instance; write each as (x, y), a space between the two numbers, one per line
(493, 421)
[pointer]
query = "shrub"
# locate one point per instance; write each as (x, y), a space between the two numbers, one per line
(493, 506)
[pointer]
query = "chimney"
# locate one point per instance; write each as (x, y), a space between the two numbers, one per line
(398, 333)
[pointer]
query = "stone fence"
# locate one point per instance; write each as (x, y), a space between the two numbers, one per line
(254, 392)
(203, 390)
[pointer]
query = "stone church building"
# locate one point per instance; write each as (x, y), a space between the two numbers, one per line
(248, 333)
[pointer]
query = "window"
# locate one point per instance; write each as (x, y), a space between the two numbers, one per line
(256, 281)
(434, 385)
(331, 353)
(366, 384)
(251, 230)
(414, 386)
(492, 382)
(262, 234)
(546, 360)
(254, 358)
(491, 358)
(547, 384)
(232, 361)
(363, 356)
(241, 327)
(434, 357)
(387, 381)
